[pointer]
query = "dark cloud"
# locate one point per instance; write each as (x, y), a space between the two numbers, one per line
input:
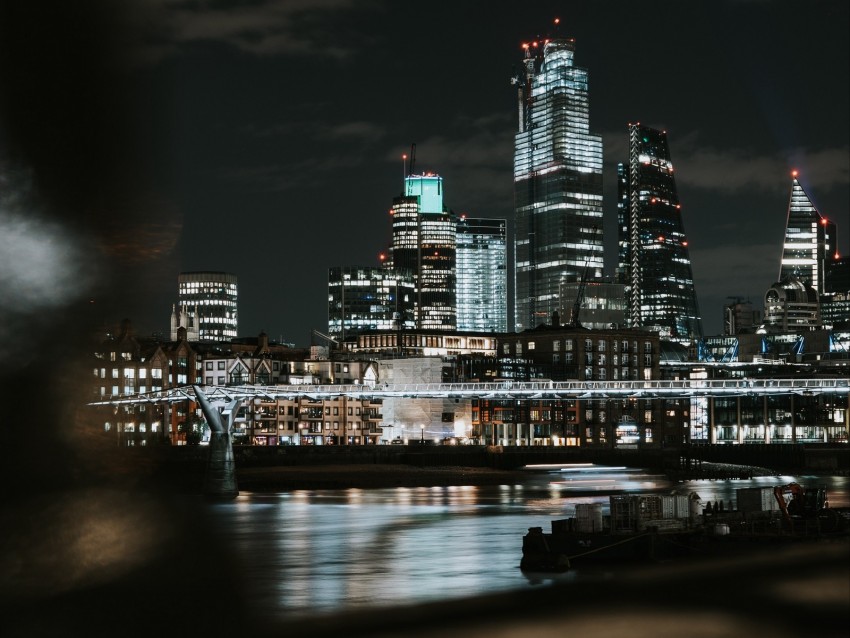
(739, 169)
(163, 28)
(357, 131)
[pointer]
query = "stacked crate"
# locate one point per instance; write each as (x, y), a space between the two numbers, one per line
(681, 506)
(629, 513)
(623, 516)
(635, 513)
(589, 517)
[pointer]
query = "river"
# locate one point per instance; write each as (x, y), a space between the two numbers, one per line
(314, 552)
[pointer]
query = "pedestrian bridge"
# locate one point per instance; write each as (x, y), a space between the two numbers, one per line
(543, 390)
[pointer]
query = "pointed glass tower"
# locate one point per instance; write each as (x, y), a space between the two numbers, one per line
(809, 240)
(653, 259)
(557, 181)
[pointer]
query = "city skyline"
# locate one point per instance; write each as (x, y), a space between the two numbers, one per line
(265, 140)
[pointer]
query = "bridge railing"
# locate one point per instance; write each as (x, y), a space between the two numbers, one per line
(505, 389)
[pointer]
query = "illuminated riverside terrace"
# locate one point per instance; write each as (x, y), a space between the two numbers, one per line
(713, 411)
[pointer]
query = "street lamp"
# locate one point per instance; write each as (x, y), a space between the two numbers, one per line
(422, 430)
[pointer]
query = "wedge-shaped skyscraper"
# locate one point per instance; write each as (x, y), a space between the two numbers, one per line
(809, 240)
(653, 259)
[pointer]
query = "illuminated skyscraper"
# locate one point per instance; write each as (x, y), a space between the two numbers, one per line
(809, 241)
(653, 259)
(557, 181)
(424, 244)
(364, 298)
(482, 281)
(213, 296)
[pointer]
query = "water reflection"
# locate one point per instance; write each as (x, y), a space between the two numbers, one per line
(312, 552)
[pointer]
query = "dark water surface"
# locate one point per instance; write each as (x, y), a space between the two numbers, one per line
(314, 552)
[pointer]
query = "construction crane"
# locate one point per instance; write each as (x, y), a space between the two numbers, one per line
(412, 159)
(574, 320)
(326, 337)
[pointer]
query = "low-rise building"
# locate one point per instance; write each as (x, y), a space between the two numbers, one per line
(564, 353)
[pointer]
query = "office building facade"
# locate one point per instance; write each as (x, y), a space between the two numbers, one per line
(482, 279)
(809, 241)
(653, 259)
(424, 245)
(210, 302)
(602, 304)
(835, 302)
(557, 181)
(368, 298)
(790, 305)
(740, 316)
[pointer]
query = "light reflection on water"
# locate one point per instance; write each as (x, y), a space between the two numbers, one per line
(321, 551)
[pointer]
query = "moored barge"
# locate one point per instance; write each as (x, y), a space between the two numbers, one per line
(652, 527)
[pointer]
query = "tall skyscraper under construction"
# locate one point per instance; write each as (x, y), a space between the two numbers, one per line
(653, 259)
(557, 181)
(809, 240)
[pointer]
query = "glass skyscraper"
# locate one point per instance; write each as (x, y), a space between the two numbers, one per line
(210, 299)
(368, 298)
(557, 181)
(482, 281)
(424, 244)
(653, 259)
(809, 241)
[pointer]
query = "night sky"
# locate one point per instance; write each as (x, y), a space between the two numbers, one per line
(265, 138)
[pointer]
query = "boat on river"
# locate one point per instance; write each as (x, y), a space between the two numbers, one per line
(653, 527)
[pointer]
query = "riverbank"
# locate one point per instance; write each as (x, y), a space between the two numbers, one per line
(719, 472)
(280, 478)
(320, 477)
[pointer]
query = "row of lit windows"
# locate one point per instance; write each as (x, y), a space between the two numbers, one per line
(130, 387)
(130, 373)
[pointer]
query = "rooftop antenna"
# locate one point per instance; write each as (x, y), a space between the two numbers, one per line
(412, 158)
(403, 171)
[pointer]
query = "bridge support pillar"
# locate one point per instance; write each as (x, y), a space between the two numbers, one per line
(766, 421)
(220, 480)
